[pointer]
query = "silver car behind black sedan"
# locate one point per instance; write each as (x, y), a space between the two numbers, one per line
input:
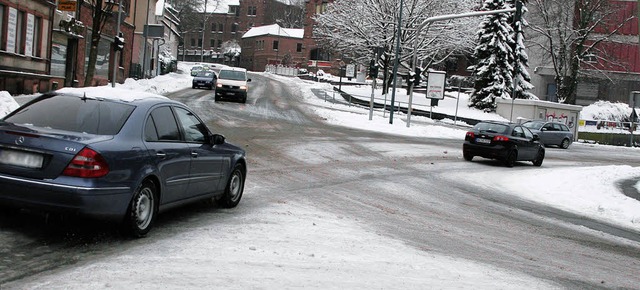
(551, 133)
(110, 158)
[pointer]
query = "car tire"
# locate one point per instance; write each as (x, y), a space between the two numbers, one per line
(235, 188)
(142, 210)
(193, 87)
(244, 99)
(565, 143)
(511, 158)
(539, 158)
(216, 98)
(467, 156)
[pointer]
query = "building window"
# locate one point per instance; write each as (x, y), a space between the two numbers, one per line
(193, 42)
(36, 36)
(252, 11)
(234, 28)
(275, 44)
(299, 47)
(235, 10)
(321, 8)
(213, 27)
(220, 27)
(219, 43)
(199, 42)
(3, 46)
(212, 42)
(20, 33)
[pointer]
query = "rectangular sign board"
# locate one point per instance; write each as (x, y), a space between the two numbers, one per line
(351, 71)
(435, 84)
(66, 5)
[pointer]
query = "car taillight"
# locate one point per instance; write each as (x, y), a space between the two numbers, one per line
(470, 135)
(87, 163)
(500, 138)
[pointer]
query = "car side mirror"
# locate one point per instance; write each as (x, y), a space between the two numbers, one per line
(217, 139)
(536, 137)
(248, 80)
(543, 129)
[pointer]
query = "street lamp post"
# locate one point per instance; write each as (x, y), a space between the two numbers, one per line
(204, 25)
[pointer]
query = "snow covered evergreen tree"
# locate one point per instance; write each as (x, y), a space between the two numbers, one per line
(522, 74)
(494, 56)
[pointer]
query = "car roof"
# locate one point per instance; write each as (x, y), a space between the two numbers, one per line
(234, 69)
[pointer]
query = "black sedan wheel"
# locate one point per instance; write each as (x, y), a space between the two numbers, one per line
(539, 158)
(235, 187)
(510, 161)
(565, 143)
(142, 210)
(467, 156)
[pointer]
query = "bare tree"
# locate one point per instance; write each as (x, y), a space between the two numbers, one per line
(354, 27)
(572, 34)
(291, 15)
(101, 12)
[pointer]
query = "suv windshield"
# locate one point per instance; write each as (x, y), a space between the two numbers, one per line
(74, 114)
(233, 75)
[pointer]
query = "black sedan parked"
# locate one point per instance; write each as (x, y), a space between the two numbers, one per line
(104, 157)
(507, 142)
(204, 79)
(551, 133)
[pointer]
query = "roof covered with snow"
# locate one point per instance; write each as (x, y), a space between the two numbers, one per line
(274, 29)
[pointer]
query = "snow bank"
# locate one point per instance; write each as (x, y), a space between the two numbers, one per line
(7, 103)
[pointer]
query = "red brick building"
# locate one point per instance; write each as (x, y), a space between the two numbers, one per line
(272, 44)
(230, 20)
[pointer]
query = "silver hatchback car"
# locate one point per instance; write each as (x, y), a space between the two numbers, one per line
(551, 133)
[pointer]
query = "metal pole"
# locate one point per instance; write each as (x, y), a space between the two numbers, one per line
(204, 25)
(146, 39)
(514, 93)
(455, 117)
(396, 62)
(115, 53)
(373, 87)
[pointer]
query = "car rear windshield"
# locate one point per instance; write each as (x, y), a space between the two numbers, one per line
(491, 127)
(205, 74)
(74, 114)
(232, 75)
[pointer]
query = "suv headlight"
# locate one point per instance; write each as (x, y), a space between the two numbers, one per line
(244, 88)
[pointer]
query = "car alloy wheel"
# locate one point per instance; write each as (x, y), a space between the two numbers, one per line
(539, 158)
(565, 143)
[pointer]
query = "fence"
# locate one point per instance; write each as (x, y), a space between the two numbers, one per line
(282, 70)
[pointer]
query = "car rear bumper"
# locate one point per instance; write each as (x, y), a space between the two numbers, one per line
(493, 152)
(104, 203)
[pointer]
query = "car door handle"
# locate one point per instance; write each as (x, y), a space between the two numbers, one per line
(161, 154)
(194, 154)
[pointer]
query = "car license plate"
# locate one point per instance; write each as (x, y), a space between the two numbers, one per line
(483, 141)
(23, 159)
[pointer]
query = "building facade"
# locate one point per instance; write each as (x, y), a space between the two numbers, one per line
(25, 45)
(599, 78)
(272, 44)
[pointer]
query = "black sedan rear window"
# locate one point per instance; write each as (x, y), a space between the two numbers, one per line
(74, 114)
(491, 127)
